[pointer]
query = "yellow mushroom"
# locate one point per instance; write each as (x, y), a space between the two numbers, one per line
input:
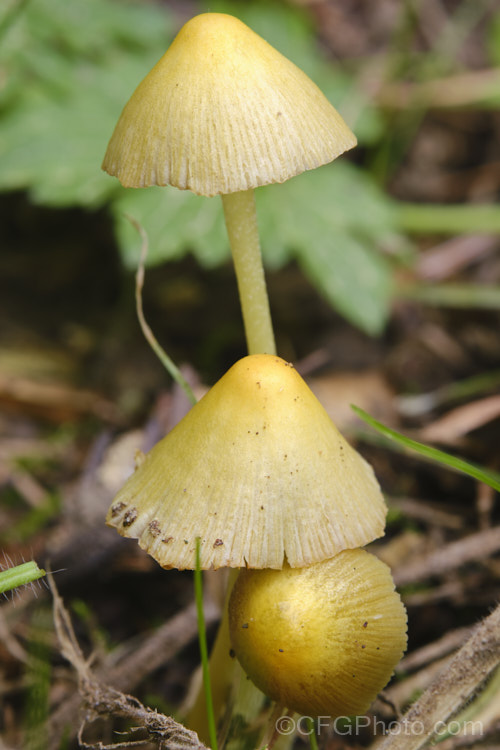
(258, 471)
(221, 113)
(321, 640)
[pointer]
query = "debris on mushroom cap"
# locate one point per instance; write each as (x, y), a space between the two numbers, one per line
(221, 112)
(258, 471)
(321, 640)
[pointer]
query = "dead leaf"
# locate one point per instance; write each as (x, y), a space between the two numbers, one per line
(367, 389)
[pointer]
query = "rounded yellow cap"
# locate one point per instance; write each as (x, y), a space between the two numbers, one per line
(221, 112)
(258, 471)
(321, 640)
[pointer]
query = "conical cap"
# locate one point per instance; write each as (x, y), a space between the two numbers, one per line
(258, 471)
(223, 111)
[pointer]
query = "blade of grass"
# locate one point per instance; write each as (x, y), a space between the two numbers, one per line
(446, 459)
(202, 637)
(313, 740)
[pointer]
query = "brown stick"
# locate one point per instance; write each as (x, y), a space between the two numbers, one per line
(464, 676)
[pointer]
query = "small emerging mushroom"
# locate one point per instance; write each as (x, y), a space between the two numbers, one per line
(222, 113)
(322, 640)
(258, 471)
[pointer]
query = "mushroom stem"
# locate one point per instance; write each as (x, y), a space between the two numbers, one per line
(241, 223)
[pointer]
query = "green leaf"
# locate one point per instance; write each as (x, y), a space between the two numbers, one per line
(59, 164)
(333, 198)
(69, 69)
(446, 459)
(316, 218)
(355, 280)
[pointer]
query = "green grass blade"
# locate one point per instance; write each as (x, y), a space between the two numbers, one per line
(20, 575)
(313, 740)
(453, 462)
(202, 637)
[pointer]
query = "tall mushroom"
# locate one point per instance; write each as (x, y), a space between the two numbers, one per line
(222, 113)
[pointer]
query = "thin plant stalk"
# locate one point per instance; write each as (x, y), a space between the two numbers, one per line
(20, 575)
(241, 223)
(222, 674)
(313, 740)
(162, 355)
(481, 296)
(490, 478)
(202, 637)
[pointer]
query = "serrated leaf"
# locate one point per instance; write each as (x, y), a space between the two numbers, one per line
(333, 198)
(59, 165)
(331, 220)
(69, 69)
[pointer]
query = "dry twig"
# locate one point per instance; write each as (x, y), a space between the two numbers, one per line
(461, 679)
(102, 700)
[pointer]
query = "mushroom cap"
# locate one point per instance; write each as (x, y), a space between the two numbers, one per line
(223, 111)
(258, 471)
(321, 640)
